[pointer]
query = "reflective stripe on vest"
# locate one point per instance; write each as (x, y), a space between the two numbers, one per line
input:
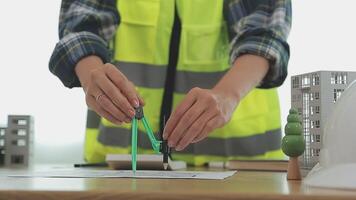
(141, 53)
(222, 146)
(150, 76)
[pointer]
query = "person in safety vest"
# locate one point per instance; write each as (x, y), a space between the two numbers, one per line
(214, 63)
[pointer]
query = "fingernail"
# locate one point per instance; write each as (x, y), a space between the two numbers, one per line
(136, 103)
(179, 148)
(170, 144)
(132, 113)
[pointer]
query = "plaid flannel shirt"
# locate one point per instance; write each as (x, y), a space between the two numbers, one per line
(258, 27)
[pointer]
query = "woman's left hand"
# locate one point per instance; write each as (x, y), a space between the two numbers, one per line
(201, 111)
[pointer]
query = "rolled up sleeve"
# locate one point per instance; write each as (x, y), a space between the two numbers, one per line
(85, 28)
(261, 27)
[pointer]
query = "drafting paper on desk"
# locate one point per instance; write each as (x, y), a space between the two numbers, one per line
(89, 173)
(144, 162)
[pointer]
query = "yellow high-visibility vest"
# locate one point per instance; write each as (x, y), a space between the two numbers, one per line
(141, 47)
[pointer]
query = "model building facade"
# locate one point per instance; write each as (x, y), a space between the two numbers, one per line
(16, 141)
(314, 95)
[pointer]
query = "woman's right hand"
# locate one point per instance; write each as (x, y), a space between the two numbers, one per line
(107, 91)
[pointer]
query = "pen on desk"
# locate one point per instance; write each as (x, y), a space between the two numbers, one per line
(165, 151)
(101, 164)
(164, 146)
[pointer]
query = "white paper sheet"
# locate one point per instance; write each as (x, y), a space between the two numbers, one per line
(90, 173)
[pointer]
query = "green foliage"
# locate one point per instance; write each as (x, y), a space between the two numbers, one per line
(293, 144)
(293, 118)
(293, 128)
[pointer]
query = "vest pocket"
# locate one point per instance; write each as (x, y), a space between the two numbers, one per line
(204, 45)
(137, 32)
(139, 12)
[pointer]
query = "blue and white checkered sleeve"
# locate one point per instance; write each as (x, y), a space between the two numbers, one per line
(85, 28)
(261, 27)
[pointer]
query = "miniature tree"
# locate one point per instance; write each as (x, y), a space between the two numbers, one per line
(293, 144)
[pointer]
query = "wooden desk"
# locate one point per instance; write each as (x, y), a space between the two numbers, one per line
(243, 185)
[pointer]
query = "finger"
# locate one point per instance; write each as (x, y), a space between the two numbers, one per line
(185, 122)
(173, 120)
(91, 101)
(131, 92)
(212, 124)
(105, 103)
(121, 82)
(195, 129)
(115, 96)
(140, 99)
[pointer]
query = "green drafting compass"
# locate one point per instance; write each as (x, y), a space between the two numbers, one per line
(157, 145)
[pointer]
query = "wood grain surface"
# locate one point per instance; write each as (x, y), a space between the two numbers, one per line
(243, 185)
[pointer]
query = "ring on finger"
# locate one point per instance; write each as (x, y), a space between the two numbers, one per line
(97, 98)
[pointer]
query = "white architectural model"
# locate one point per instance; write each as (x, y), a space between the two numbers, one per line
(16, 141)
(314, 95)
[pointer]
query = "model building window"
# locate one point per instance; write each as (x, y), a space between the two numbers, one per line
(311, 110)
(295, 82)
(338, 78)
(317, 109)
(2, 131)
(315, 79)
(337, 94)
(317, 124)
(317, 138)
(20, 142)
(316, 95)
(300, 111)
(19, 132)
(306, 126)
(344, 78)
(20, 121)
(2, 157)
(315, 152)
(334, 78)
(17, 159)
(305, 81)
(306, 105)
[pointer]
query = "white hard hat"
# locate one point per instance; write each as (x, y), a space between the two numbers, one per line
(337, 165)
